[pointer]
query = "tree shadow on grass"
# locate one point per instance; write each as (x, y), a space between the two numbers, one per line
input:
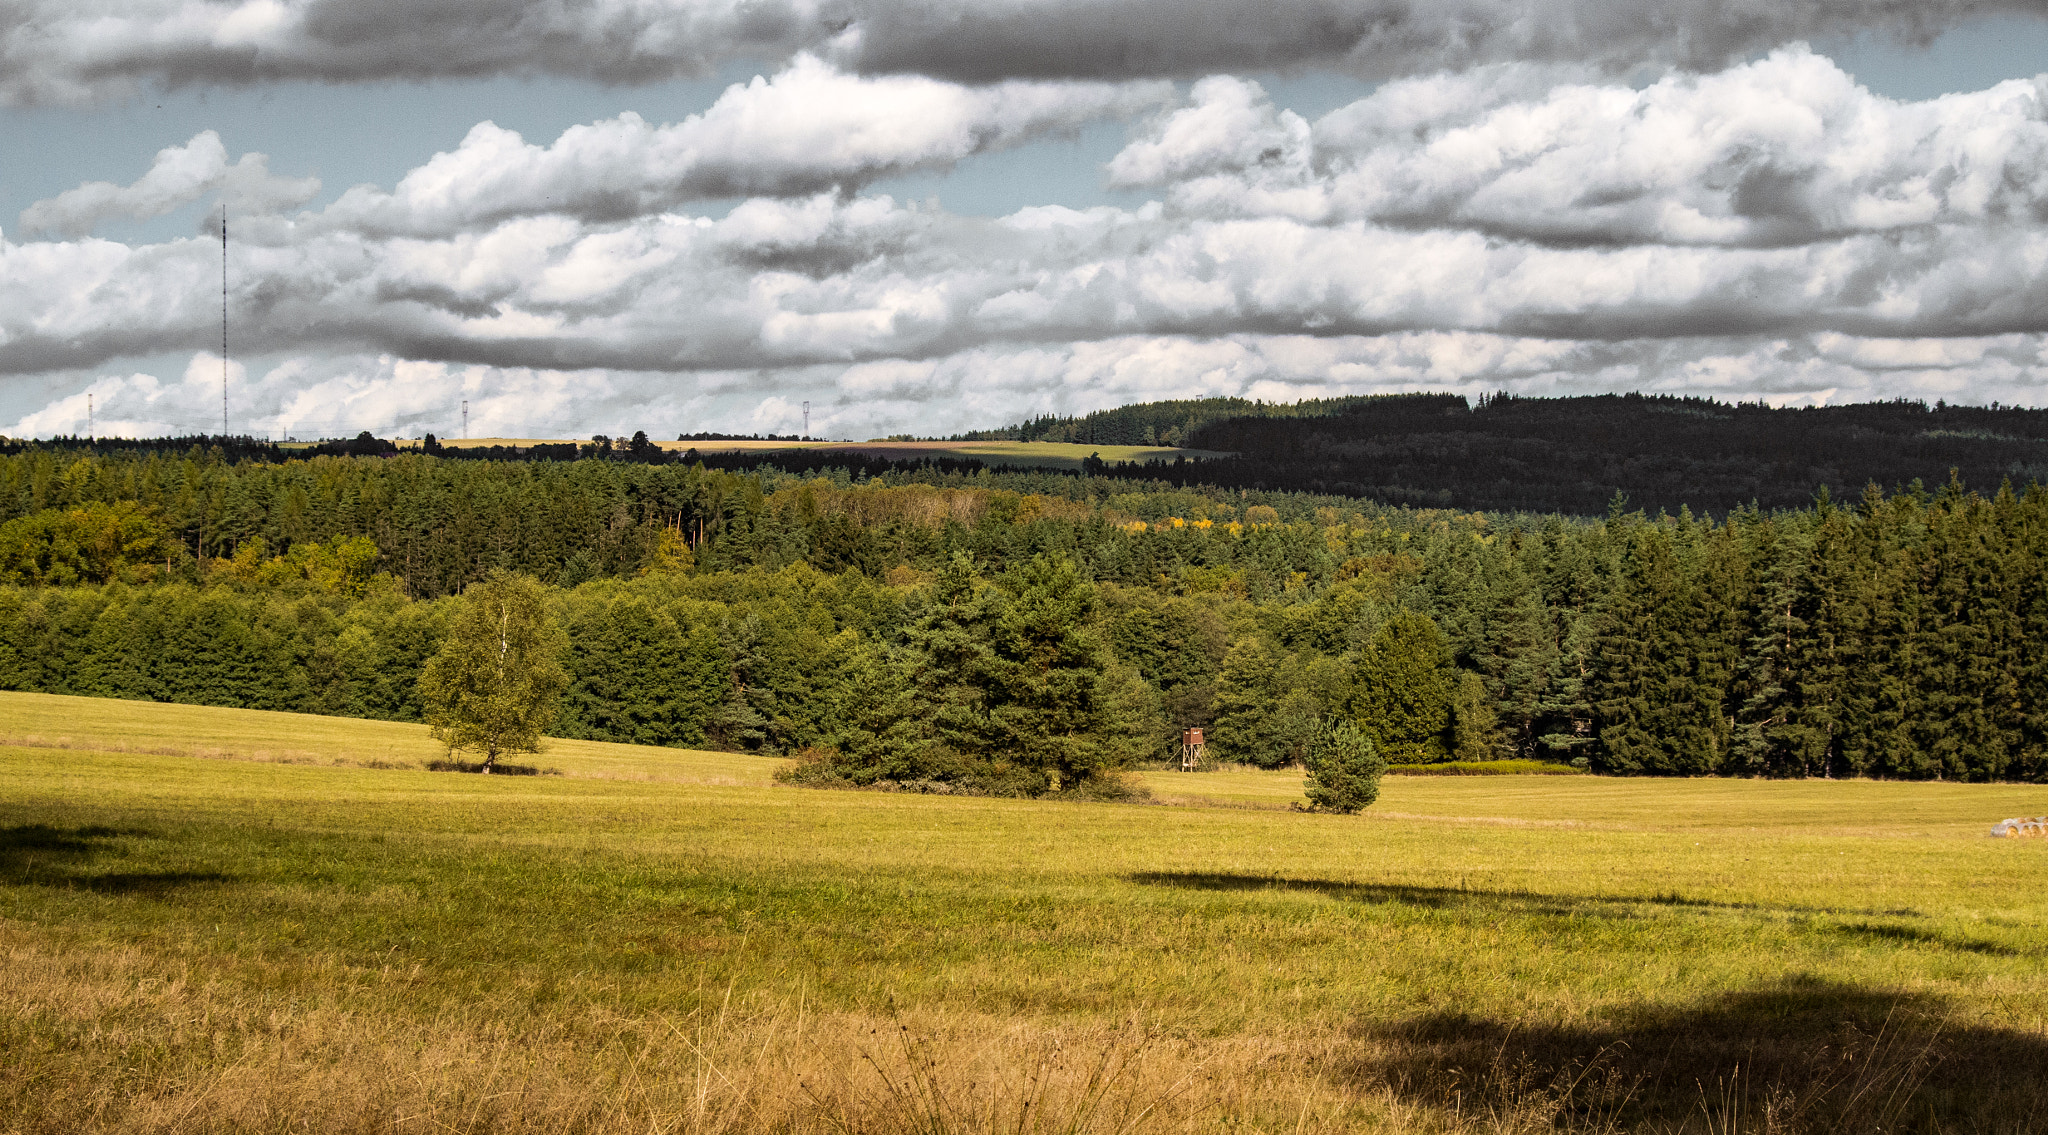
(1804, 1055)
(500, 769)
(43, 856)
(1442, 897)
(1487, 902)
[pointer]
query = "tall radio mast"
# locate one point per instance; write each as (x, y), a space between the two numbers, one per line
(223, 322)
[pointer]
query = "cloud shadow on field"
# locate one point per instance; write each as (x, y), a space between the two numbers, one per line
(1500, 902)
(39, 855)
(1801, 1055)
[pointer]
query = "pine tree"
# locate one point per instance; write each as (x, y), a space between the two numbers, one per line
(1344, 769)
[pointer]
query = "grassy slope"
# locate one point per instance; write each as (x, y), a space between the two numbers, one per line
(210, 944)
(107, 725)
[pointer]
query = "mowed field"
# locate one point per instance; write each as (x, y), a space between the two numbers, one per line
(224, 920)
(1040, 454)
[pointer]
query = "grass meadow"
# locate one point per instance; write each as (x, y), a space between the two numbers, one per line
(232, 921)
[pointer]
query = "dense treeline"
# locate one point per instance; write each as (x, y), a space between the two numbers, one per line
(1180, 421)
(1507, 453)
(941, 627)
(1573, 454)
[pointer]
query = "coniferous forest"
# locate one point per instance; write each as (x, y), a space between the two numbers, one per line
(1570, 454)
(1015, 632)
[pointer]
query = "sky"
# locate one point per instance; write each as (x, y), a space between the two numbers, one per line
(928, 216)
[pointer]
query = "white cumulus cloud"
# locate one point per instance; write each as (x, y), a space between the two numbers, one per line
(1784, 151)
(808, 128)
(177, 177)
(1772, 230)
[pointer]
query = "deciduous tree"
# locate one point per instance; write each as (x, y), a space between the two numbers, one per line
(496, 683)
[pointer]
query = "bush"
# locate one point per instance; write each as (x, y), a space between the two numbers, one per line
(1107, 785)
(815, 768)
(1344, 769)
(950, 775)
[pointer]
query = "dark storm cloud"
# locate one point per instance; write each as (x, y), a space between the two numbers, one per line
(80, 50)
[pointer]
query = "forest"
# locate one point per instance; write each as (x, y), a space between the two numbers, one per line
(1569, 454)
(953, 627)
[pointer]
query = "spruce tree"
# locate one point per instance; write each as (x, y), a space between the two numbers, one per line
(1404, 683)
(1655, 714)
(1045, 671)
(2026, 569)
(1475, 730)
(624, 684)
(1247, 696)
(1517, 655)
(1131, 724)
(953, 659)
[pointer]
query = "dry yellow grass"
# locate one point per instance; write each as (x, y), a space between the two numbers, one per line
(111, 726)
(217, 920)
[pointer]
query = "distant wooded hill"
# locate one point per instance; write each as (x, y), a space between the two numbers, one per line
(1570, 454)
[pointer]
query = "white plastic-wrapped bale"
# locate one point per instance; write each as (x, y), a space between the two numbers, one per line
(2021, 826)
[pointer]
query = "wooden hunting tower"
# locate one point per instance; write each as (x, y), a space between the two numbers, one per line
(1192, 751)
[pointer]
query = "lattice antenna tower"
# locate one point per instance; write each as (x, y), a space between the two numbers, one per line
(465, 419)
(223, 322)
(807, 418)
